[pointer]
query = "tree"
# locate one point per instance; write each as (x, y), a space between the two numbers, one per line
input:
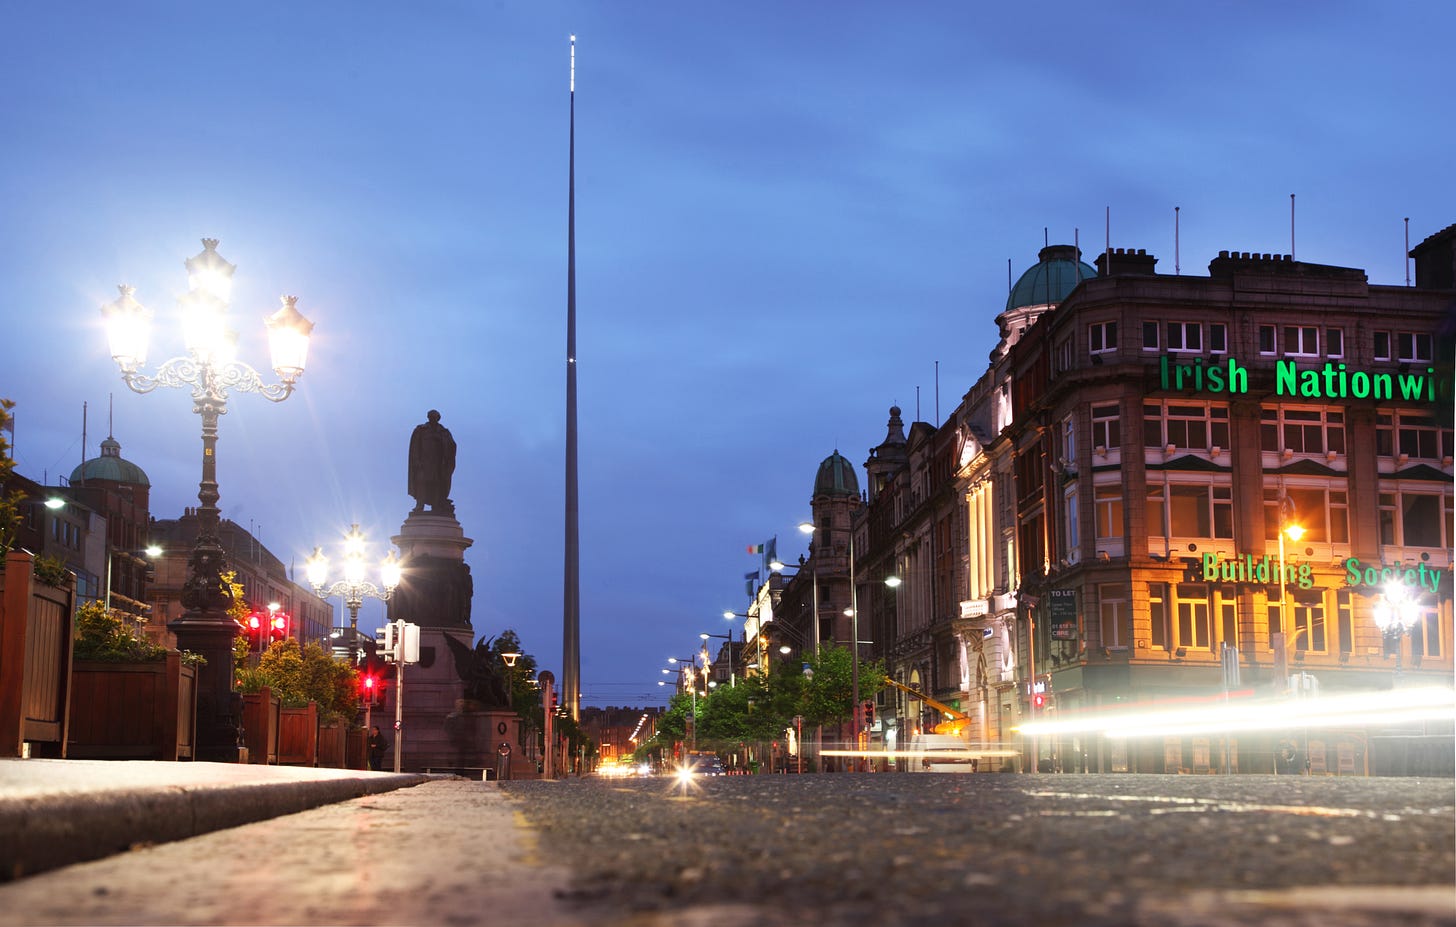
(828, 694)
(299, 675)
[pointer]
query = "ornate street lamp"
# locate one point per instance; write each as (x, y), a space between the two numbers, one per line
(210, 370)
(1396, 616)
(354, 588)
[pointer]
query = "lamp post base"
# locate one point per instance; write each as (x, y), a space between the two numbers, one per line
(219, 708)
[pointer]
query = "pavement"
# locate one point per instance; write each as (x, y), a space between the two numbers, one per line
(56, 813)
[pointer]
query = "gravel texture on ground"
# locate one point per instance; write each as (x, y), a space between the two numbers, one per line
(1001, 849)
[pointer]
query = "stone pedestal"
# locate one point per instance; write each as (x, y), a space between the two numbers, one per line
(444, 731)
(435, 587)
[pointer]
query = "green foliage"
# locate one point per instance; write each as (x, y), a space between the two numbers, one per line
(828, 696)
(107, 636)
(50, 570)
(299, 675)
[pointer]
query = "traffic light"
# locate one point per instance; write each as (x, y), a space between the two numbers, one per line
(869, 713)
(278, 626)
(254, 631)
(1038, 700)
(370, 684)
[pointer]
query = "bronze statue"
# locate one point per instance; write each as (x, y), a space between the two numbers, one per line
(431, 464)
(480, 670)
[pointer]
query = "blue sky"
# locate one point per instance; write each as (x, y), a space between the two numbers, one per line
(788, 214)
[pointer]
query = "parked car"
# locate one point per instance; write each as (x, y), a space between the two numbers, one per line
(942, 753)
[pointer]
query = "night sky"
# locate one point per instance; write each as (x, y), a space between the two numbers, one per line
(787, 215)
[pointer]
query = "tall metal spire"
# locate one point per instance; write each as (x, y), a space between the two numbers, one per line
(571, 585)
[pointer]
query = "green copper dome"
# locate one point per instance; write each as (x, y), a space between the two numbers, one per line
(110, 466)
(1057, 271)
(836, 478)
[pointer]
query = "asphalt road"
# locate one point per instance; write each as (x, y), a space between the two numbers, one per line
(1043, 850)
(775, 851)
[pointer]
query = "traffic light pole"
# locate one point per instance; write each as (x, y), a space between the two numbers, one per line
(398, 710)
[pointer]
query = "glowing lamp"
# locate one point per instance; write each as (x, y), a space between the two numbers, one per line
(128, 329)
(288, 334)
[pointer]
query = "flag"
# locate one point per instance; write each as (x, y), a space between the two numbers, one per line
(771, 549)
(750, 583)
(755, 548)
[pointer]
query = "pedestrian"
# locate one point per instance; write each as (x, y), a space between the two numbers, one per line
(377, 746)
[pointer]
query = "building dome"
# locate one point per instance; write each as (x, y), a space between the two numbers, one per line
(1057, 271)
(836, 478)
(110, 466)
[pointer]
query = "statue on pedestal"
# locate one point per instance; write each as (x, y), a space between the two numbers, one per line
(431, 465)
(480, 669)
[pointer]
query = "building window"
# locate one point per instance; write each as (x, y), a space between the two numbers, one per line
(1334, 342)
(1102, 337)
(1217, 337)
(1302, 431)
(1112, 613)
(1381, 350)
(1106, 427)
(1069, 441)
(1228, 616)
(1200, 510)
(1413, 519)
(1190, 426)
(1071, 523)
(1150, 336)
(1344, 622)
(1184, 336)
(1065, 355)
(1158, 614)
(1323, 513)
(1426, 634)
(1309, 625)
(1107, 500)
(1193, 622)
(1413, 434)
(1268, 343)
(1301, 341)
(1414, 347)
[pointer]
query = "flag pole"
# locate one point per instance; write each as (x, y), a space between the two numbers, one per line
(571, 585)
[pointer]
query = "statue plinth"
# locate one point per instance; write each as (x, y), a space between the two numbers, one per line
(432, 534)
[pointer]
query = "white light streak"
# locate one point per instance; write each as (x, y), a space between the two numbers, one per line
(1354, 709)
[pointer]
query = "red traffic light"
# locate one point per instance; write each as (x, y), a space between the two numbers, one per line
(254, 622)
(1038, 700)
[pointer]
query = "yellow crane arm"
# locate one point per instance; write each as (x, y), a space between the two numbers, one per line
(956, 720)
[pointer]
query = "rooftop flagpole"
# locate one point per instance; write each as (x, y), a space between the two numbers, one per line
(571, 584)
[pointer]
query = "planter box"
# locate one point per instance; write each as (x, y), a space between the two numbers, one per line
(261, 714)
(332, 740)
(298, 735)
(36, 627)
(133, 711)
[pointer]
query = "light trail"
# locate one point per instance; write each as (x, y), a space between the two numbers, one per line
(1394, 706)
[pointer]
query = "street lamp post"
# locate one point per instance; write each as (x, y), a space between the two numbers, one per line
(1396, 616)
(689, 675)
(1287, 526)
(210, 371)
(729, 637)
(354, 588)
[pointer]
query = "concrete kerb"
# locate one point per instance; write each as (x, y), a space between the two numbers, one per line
(48, 829)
